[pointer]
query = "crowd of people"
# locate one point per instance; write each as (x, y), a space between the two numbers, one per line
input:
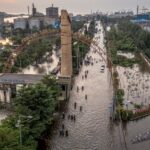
(88, 62)
(63, 132)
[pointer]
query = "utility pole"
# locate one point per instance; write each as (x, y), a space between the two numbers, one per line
(20, 131)
(19, 125)
(77, 57)
(28, 10)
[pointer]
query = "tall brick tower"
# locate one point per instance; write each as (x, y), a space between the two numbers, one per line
(65, 78)
(66, 45)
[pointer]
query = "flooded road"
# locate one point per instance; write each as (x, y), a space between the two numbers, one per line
(91, 129)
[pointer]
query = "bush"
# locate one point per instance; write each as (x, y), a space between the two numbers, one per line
(119, 96)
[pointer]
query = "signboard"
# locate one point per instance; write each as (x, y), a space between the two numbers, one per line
(64, 80)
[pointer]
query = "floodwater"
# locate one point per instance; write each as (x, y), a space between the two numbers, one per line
(5, 41)
(92, 129)
(11, 19)
(127, 55)
(136, 86)
(43, 68)
(3, 114)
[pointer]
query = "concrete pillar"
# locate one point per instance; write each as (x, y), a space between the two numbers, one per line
(5, 94)
(2, 96)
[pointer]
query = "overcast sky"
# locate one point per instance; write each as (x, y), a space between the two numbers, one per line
(75, 6)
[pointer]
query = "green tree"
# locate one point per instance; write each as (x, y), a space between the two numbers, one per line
(40, 102)
(120, 96)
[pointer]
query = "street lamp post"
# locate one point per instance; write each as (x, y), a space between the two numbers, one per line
(20, 128)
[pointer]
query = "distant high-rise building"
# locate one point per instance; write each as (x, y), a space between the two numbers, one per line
(20, 23)
(1, 19)
(71, 15)
(137, 10)
(33, 10)
(28, 10)
(52, 12)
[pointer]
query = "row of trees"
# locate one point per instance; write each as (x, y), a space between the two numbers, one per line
(80, 49)
(76, 25)
(38, 101)
(119, 39)
(127, 37)
(3, 57)
(91, 30)
(32, 54)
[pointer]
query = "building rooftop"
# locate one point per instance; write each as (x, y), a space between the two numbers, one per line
(13, 78)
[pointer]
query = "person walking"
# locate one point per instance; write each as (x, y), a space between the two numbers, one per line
(63, 115)
(74, 118)
(82, 88)
(86, 97)
(66, 133)
(77, 88)
(75, 105)
(81, 108)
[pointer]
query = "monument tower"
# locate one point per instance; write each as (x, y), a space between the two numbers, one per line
(65, 77)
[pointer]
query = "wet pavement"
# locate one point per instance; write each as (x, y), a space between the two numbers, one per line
(91, 130)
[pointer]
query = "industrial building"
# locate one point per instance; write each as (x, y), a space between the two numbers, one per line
(79, 18)
(52, 12)
(1, 21)
(49, 21)
(121, 14)
(142, 19)
(20, 23)
(34, 23)
(38, 20)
